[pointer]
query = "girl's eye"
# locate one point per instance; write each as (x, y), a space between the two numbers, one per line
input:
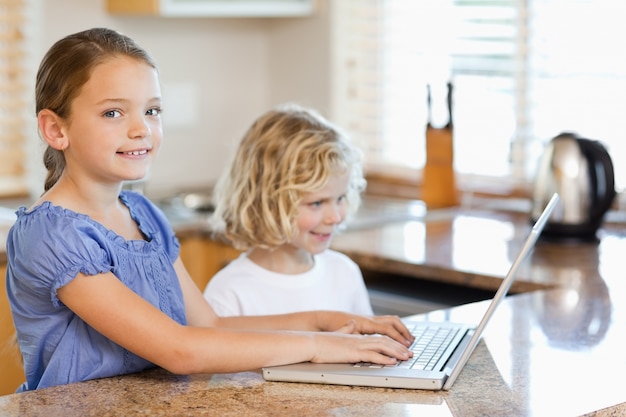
(154, 112)
(315, 204)
(112, 113)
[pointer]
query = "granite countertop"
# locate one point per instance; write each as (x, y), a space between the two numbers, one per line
(546, 353)
(474, 247)
(553, 348)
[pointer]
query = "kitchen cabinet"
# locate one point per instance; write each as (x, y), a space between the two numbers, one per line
(10, 359)
(203, 257)
(212, 8)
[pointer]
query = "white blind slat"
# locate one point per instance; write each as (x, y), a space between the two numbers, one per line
(520, 78)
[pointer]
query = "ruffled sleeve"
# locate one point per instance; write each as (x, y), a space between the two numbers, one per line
(50, 246)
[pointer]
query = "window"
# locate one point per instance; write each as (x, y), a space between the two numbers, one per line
(12, 102)
(523, 71)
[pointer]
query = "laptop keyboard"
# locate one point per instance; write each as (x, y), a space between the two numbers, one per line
(430, 342)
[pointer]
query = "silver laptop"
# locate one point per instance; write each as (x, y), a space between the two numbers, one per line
(433, 367)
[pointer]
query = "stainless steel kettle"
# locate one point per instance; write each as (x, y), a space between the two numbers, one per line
(581, 171)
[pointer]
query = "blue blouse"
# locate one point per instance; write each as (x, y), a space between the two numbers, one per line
(46, 248)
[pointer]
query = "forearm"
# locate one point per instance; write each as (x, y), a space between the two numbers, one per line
(205, 350)
(212, 350)
(306, 321)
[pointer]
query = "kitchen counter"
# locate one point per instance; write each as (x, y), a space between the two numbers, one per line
(554, 348)
(474, 248)
(546, 353)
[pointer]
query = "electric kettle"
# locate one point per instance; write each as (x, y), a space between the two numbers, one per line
(581, 171)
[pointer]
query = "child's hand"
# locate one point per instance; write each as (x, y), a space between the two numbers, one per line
(349, 328)
(391, 326)
(349, 348)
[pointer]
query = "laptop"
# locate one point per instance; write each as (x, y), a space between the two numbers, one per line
(455, 343)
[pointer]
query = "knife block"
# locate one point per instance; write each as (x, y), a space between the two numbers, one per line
(439, 185)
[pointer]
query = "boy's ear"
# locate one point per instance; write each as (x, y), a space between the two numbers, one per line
(51, 129)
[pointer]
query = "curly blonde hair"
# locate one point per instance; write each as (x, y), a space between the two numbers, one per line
(287, 152)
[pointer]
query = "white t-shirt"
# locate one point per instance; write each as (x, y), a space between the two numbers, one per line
(245, 288)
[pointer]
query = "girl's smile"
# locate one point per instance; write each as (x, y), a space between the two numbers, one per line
(134, 153)
(121, 103)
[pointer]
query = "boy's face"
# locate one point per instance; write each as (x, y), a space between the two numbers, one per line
(320, 213)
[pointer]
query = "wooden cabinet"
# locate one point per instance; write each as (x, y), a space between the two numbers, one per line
(11, 371)
(212, 8)
(203, 257)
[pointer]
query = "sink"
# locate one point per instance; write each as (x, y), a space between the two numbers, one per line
(198, 201)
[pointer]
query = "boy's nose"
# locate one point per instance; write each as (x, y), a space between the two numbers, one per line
(334, 214)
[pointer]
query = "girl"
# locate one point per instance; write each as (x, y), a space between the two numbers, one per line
(94, 279)
(290, 186)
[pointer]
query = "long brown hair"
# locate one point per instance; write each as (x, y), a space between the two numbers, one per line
(66, 67)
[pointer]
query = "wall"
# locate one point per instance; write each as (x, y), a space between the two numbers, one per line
(300, 60)
(217, 75)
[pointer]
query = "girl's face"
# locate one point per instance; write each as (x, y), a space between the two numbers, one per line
(320, 213)
(114, 131)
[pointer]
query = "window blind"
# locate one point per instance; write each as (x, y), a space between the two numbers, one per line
(523, 71)
(577, 76)
(12, 100)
